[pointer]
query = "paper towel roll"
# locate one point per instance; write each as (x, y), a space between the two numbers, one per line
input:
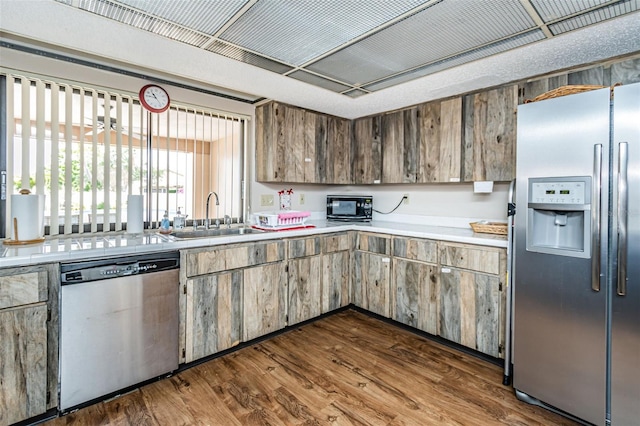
(135, 216)
(27, 211)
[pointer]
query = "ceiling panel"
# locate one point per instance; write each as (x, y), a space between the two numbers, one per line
(483, 52)
(441, 31)
(319, 81)
(238, 54)
(595, 16)
(552, 10)
(298, 31)
(206, 16)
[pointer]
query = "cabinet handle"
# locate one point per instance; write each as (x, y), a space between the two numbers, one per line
(445, 270)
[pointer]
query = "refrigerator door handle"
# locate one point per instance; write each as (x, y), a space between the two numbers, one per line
(595, 217)
(623, 206)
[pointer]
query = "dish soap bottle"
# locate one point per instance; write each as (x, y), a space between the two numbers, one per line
(165, 226)
(179, 220)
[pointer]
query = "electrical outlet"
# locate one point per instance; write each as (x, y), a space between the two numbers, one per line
(266, 200)
(405, 199)
(301, 199)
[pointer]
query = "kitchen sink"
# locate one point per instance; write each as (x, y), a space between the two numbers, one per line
(207, 233)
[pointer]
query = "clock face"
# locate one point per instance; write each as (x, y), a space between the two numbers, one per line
(154, 98)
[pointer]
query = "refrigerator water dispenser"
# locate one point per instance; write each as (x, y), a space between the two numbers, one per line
(559, 216)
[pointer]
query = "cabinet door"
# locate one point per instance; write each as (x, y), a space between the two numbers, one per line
(470, 310)
(338, 151)
(23, 363)
(367, 164)
(214, 314)
(416, 292)
(335, 280)
(294, 144)
(440, 144)
(270, 149)
(370, 288)
(490, 135)
(264, 301)
(400, 146)
(304, 289)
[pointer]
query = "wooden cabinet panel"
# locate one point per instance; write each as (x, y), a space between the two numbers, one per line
(270, 149)
(264, 300)
(370, 287)
(373, 243)
(490, 135)
(19, 287)
(337, 242)
(293, 128)
(223, 258)
(336, 278)
(531, 89)
(594, 75)
(400, 146)
(23, 363)
(416, 249)
(470, 310)
(440, 144)
(415, 295)
(338, 151)
(624, 72)
(476, 258)
(214, 314)
(302, 247)
(304, 281)
(367, 164)
(315, 141)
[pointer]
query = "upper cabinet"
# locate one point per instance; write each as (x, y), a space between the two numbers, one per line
(490, 135)
(367, 160)
(400, 146)
(440, 141)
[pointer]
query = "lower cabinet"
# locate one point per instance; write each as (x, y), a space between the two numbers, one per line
(23, 363)
(304, 288)
(214, 314)
(28, 341)
(415, 294)
(336, 271)
(472, 300)
(265, 300)
(370, 288)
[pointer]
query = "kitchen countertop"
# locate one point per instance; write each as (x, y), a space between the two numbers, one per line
(77, 247)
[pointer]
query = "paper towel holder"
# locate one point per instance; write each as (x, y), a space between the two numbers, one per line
(16, 240)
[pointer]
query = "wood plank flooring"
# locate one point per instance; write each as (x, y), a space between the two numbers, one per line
(346, 369)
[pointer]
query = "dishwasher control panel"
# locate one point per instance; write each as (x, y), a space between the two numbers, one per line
(93, 271)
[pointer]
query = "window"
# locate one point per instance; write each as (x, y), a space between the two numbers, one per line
(86, 149)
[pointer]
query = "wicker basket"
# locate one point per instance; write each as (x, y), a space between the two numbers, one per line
(564, 91)
(489, 227)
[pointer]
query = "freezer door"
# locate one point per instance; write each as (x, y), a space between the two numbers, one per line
(625, 253)
(559, 320)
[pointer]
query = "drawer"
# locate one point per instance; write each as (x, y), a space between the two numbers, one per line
(229, 257)
(474, 258)
(303, 247)
(337, 242)
(374, 243)
(19, 287)
(416, 249)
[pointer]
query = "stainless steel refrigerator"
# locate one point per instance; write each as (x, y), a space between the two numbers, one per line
(576, 274)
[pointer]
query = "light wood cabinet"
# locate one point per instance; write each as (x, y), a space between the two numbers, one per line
(270, 147)
(415, 283)
(400, 146)
(367, 161)
(337, 154)
(490, 135)
(29, 341)
(209, 260)
(304, 279)
(264, 300)
(472, 300)
(371, 277)
(336, 271)
(440, 141)
(213, 314)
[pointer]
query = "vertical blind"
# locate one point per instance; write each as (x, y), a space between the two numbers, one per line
(87, 148)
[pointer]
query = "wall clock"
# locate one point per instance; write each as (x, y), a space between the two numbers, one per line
(154, 98)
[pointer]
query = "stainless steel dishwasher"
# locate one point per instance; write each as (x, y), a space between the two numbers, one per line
(118, 324)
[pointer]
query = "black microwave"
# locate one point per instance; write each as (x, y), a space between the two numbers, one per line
(358, 208)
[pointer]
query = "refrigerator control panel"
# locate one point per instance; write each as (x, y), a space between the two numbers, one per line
(560, 192)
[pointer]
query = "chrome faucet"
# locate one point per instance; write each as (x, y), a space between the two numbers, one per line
(227, 217)
(206, 220)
